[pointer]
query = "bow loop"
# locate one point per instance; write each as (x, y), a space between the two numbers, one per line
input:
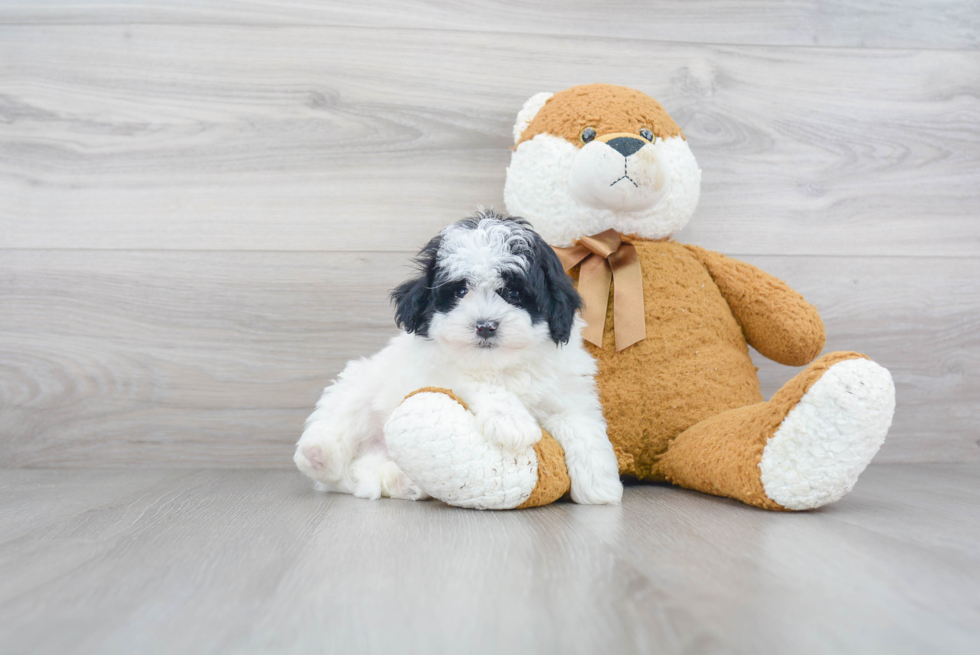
(602, 244)
(605, 258)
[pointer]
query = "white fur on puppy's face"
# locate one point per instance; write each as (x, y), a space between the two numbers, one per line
(515, 330)
(477, 260)
(562, 189)
(490, 291)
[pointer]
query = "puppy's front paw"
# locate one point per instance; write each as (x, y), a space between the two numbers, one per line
(374, 476)
(591, 486)
(395, 484)
(515, 431)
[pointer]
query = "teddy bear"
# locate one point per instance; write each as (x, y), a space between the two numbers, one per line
(606, 176)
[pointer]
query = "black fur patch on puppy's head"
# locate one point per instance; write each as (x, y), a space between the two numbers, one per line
(504, 252)
(558, 299)
(413, 298)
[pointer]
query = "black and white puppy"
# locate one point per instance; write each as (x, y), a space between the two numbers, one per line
(492, 316)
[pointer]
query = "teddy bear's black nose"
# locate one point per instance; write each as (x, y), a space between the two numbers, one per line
(625, 145)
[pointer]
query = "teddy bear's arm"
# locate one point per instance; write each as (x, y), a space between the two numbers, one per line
(775, 319)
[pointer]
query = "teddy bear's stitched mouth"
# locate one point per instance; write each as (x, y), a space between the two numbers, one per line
(625, 175)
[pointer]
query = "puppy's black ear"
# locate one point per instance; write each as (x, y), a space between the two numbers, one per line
(562, 298)
(413, 298)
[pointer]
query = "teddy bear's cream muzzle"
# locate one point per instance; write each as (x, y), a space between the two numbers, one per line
(620, 172)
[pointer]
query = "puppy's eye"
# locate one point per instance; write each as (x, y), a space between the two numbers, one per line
(513, 295)
(647, 134)
(587, 134)
(460, 292)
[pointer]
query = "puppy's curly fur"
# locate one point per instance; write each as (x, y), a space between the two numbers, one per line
(492, 316)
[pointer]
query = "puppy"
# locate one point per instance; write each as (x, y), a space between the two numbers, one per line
(492, 316)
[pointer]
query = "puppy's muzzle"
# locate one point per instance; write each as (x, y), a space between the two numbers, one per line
(486, 329)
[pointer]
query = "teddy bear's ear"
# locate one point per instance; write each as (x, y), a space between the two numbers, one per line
(528, 112)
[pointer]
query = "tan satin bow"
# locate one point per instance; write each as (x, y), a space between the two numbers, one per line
(606, 257)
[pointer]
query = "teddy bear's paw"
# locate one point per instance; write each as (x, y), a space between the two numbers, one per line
(436, 442)
(512, 428)
(830, 436)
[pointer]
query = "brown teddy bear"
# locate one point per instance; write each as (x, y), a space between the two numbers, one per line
(606, 177)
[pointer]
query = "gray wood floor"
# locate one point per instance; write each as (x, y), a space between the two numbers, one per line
(197, 561)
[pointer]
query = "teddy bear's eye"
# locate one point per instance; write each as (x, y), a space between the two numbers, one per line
(587, 134)
(647, 134)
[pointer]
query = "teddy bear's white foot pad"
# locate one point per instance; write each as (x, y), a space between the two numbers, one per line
(830, 436)
(437, 443)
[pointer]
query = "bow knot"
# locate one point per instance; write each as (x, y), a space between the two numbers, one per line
(605, 257)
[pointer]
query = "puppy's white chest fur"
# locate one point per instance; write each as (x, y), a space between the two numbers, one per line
(536, 379)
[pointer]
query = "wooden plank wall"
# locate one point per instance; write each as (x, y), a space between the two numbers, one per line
(203, 204)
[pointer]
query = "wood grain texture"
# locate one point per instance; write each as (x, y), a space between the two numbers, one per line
(203, 204)
(864, 23)
(256, 562)
(114, 358)
(207, 359)
(335, 138)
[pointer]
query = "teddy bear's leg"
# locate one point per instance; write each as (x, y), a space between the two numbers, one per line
(435, 440)
(802, 449)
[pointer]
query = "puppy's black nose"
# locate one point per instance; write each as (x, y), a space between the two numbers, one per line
(625, 145)
(486, 329)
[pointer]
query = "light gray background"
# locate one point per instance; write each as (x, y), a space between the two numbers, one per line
(204, 204)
